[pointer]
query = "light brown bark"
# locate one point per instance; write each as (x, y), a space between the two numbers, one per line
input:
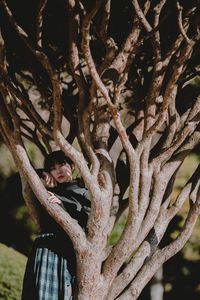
(154, 146)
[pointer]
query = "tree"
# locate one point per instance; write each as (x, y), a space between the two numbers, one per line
(124, 76)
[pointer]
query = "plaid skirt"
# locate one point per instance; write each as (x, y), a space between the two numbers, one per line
(50, 270)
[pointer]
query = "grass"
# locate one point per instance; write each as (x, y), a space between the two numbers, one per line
(12, 266)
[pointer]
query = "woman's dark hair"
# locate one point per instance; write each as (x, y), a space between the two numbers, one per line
(58, 157)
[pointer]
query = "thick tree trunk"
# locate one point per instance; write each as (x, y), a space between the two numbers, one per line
(91, 283)
(105, 79)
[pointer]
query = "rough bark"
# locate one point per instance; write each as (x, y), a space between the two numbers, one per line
(115, 93)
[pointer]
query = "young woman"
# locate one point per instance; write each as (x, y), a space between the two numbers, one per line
(51, 266)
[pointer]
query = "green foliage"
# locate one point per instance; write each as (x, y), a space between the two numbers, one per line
(196, 81)
(191, 251)
(117, 230)
(21, 215)
(24, 227)
(186, 170)
(12, 266)
(7, 165)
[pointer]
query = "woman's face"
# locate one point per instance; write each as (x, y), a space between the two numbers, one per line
(61, 172)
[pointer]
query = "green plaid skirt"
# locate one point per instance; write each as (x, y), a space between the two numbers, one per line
(50, 270)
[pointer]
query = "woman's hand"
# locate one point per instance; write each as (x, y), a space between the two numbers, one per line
(53, 199)
(48, 180)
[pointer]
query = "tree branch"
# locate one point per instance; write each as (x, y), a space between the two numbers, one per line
(44, 61)
(141, 16)
(180, 23)
(39, 21)
(169, 94)
(163, 255)
(28, 108)
(130, 271)
(69, 225)
(84, 113)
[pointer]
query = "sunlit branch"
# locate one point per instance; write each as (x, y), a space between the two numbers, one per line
(83, 115)
(141, 16)
(39, 21)
(180, 23)
(161, 256)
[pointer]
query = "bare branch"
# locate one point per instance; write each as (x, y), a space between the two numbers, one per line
(108, 41)
(159, 183)
(156, 41)
(141, 16)
(114, 112)
(123, 248)
(88, 56)
(166, 214)
(182, 136)
(105, 19)
(99, 83)
(180, 23)
(158, 71)
(83, 113)
(130, 47)
(185, 192)
(169, 94)
(145, 181)
(68, 149)
(163, 255)
(39, 21)
(174, 121)
(128, 105)
(187, 147)
(43, 59)
(130, 271)
(28, 108)
(26, 104)
(32, 136)
(175, 46)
